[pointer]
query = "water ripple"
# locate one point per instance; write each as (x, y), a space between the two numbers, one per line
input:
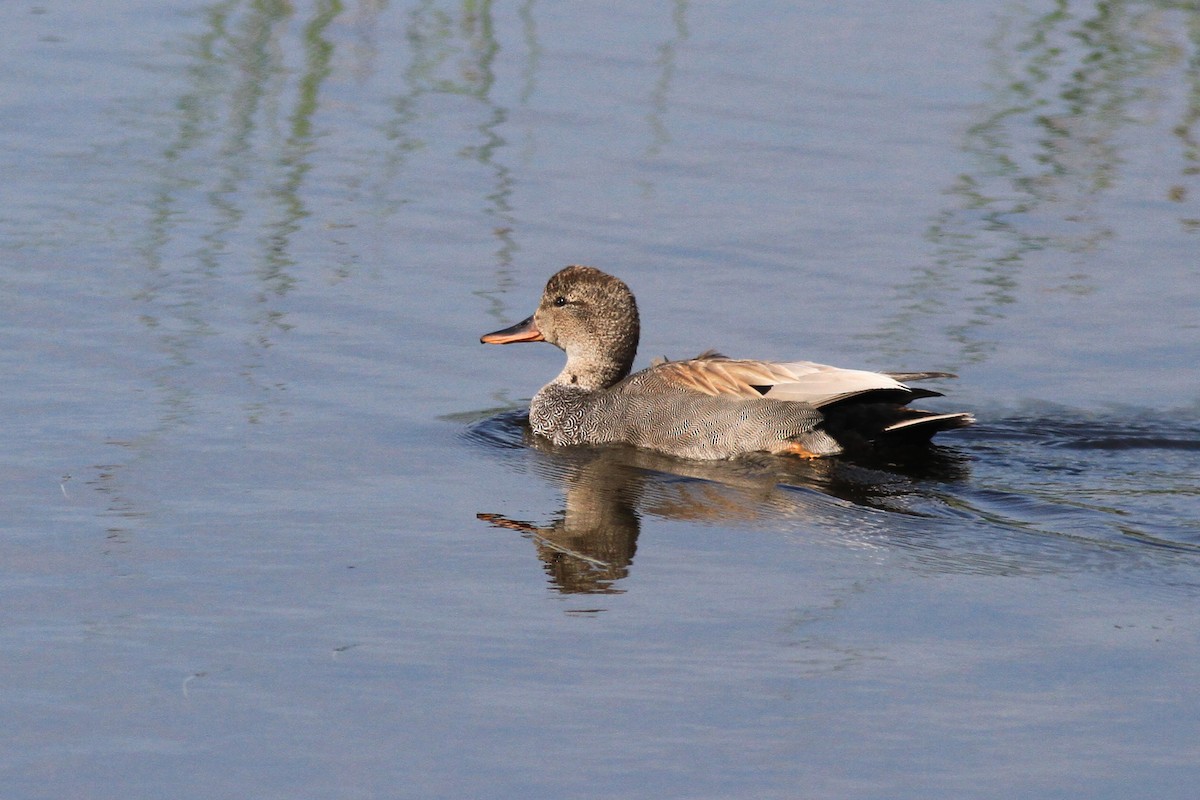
(1013, 494)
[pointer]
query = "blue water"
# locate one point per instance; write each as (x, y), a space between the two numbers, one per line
(273, 524)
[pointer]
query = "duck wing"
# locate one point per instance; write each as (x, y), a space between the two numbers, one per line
(818, 385)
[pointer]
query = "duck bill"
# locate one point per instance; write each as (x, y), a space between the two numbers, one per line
(524, 331)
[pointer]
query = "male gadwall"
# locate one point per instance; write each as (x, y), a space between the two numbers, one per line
(710, 407)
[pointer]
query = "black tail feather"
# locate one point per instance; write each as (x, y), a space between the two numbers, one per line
(861, 426)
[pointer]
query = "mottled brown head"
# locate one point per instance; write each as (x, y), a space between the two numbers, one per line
(589, 314)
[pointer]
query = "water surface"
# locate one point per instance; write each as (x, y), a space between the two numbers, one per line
(273, 523)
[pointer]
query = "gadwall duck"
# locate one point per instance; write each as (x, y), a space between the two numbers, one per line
(710, 407)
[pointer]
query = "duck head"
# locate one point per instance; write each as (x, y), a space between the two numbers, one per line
(590, 315)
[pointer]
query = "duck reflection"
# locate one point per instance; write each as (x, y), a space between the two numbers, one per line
(591, 543)
(589, 547)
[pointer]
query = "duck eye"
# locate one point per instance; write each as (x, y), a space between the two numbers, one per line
(560, 301)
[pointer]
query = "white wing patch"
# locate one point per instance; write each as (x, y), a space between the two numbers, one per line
(942, 421)
(820, 384)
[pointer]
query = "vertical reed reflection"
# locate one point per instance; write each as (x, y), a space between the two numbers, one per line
(661, 91)
(453, 50)
(243, 122)
(1074, 88)
(230, 182)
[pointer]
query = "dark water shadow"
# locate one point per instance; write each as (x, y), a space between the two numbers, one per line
(1017, 495)
(1120, 477)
